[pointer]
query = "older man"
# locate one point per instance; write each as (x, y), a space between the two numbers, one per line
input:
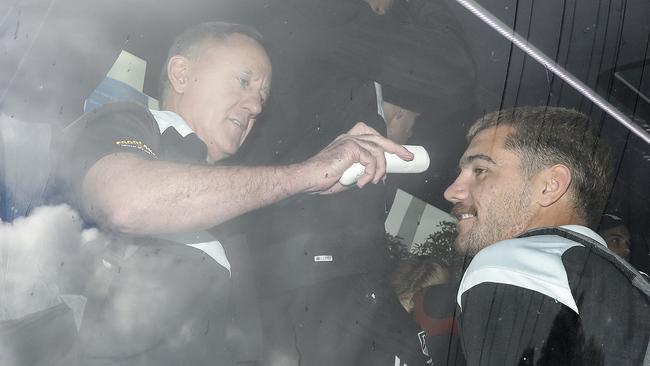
(150, 179)
(542, 288)
(217, 82)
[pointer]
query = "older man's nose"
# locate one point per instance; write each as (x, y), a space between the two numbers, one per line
(253, 103)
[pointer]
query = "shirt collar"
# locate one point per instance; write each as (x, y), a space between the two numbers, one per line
(167, 119)
(586, 232)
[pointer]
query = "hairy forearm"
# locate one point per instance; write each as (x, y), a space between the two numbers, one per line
(132, 195)
(128, 194)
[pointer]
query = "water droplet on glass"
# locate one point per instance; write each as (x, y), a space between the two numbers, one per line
(494, 56)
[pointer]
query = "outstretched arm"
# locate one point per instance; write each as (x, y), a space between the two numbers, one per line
(130, 194)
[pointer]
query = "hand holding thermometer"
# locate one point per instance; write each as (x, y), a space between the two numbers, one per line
(394, 164)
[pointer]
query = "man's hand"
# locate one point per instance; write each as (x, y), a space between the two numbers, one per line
(361, 144)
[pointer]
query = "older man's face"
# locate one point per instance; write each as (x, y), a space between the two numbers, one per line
(228, 84)
(491, 196)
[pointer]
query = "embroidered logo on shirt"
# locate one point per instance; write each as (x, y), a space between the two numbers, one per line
(136, 144)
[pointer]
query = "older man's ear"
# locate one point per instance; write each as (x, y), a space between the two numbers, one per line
(178, 69)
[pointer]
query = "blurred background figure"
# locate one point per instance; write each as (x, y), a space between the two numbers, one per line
(399, 122)
(412, 275)
(426, 289)
(616, 234)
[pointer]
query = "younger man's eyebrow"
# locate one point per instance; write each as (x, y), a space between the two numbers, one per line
(468, 159)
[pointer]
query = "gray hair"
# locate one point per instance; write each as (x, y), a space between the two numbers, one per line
(189, 44)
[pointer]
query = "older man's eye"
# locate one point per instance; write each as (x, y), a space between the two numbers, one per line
(244, 82)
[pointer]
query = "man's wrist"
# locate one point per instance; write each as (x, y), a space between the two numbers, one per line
(303, 177)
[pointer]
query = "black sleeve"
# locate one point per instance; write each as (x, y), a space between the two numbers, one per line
(112, 128)
(508, 325)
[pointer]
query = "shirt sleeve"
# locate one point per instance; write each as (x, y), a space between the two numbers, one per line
(112, 128)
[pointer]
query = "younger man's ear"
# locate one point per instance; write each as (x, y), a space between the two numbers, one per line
(178, 69)
(552, 184)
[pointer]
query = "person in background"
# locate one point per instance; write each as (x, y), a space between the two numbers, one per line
(426, 291)
(401, 111)
(411, 275)
(613, 229)
(399, 122)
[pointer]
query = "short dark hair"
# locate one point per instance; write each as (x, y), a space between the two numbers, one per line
(188, 43)
(544, 136)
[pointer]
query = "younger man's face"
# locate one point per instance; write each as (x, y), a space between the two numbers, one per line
(491, 196)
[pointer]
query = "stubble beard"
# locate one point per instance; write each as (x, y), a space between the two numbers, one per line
(508, 217)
